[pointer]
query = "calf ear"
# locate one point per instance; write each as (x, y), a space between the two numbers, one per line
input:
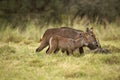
(87, 29)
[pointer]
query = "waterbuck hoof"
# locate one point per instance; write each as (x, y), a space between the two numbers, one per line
(37, 50)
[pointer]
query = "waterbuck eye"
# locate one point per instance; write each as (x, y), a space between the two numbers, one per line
(81, 35)
(92, 35)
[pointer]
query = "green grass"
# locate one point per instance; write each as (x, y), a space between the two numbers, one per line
(19, 61)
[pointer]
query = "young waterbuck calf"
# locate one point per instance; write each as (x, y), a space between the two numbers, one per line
(67, 44)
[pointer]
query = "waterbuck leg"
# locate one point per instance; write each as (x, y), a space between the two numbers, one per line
(69, 52)
(81, 51)
(56, 50)
(47, 49)
(63, 51)
(41, 47)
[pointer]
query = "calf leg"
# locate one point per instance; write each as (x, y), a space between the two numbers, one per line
(50, 50)
(56, 50)
(52, 46)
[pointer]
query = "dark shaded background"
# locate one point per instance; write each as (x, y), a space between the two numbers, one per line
(45, 12)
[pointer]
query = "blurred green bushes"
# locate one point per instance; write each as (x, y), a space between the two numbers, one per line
(44, 12)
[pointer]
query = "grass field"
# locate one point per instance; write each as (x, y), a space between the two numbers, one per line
(19, 61)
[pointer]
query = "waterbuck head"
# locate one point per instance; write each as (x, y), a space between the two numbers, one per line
(93, 42)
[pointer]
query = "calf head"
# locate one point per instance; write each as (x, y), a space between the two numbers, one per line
(83, 39)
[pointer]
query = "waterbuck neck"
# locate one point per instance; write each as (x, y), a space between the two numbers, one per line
(78, 42)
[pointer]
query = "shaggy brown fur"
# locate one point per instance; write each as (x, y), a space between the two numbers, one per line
(67, 33)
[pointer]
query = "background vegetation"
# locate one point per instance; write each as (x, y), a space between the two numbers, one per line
(23, 22)
(45, 12)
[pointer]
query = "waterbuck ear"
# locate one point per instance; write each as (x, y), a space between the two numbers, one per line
(81, 34)
(91, 29)
(87, 29)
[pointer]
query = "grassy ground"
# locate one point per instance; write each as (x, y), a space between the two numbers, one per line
(19, 61)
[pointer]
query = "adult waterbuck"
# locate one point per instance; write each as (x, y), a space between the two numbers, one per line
(68, 33)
